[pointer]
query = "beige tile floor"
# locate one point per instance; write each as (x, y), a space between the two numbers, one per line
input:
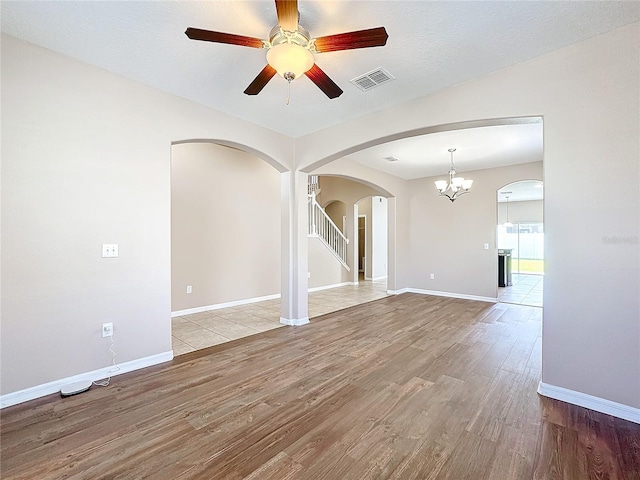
(526, 290)
(200, 330)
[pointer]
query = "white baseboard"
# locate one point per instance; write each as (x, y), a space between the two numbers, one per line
(218, 306)
(327, 287)
(38, 391)
(398, 292)
(589, 401)
(294, 322)
(247, 301)
(375, 279)
(452, 295)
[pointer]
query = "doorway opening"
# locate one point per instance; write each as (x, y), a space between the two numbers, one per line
(362, 243)
(520, 241)
(362, 213)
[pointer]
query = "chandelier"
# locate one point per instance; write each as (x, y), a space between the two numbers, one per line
(507, 223)
(456, 186)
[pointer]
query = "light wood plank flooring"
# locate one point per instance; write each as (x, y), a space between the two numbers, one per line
(406, 387)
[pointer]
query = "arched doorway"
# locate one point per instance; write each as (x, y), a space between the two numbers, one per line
(360, 212)
(225, 244)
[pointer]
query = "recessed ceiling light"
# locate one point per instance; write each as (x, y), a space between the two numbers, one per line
(390, 159)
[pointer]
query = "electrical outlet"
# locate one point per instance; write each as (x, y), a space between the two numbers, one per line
(189, 289)
(109, 250)
(432, 276)
(486, 246)
(107, 329)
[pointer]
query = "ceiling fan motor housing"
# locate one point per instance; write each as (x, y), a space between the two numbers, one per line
(289, 52)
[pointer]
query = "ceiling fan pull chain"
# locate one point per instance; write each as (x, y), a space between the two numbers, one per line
(288, 76)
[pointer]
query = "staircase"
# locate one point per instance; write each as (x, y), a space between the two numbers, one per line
(321, 226)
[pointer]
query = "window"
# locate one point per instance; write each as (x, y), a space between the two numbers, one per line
(526, 240)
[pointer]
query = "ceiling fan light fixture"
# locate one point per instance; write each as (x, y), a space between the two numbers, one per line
(290, 58)
(290, 49)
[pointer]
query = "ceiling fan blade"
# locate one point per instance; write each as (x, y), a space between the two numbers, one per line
(287, 14)
(261, 80)
(220, 37)
(323, 82)
(373, 37)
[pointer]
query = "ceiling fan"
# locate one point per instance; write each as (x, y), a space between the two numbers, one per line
(290, 48)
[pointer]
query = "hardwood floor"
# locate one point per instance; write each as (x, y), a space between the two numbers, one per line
(406, 387)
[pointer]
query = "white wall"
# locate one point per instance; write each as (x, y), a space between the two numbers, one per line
(86, 161)
(324, 268)
(225, 226)
(530, 211)
(589, 97)
(337, 210)
(343, 189)
(447, 239)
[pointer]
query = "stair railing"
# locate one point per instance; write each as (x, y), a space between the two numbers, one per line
(321, 226)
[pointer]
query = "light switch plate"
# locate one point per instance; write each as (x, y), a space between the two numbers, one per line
(109, 250)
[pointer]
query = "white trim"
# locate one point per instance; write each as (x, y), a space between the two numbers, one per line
(377, 279)
(218, 306)
(326, 287)
(247, 301)
(453, 295)
(38, 391)
(585, 400)
(294, 322)
(398, 292)
(353, 284)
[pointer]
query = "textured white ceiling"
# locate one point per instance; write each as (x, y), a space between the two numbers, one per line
(431, 45)
(476, 149)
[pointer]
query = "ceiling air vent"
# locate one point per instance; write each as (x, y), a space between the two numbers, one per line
(372, 79)
(390, 159)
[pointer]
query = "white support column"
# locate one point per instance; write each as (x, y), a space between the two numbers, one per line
(294, 306)
(352, 246)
